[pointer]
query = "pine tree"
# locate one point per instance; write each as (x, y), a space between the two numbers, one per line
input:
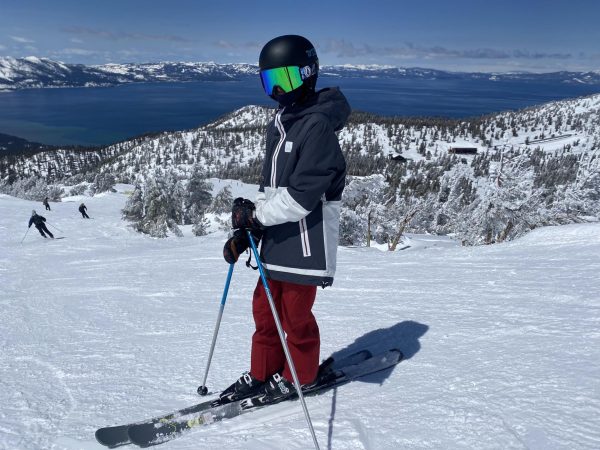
(134, 208)
(198, 195)
(222, 201)
(103, 182)
(201, 225)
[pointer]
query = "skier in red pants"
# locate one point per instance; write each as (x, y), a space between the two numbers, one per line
(293, 303)
(295, 217)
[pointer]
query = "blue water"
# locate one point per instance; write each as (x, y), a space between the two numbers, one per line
(91, 116)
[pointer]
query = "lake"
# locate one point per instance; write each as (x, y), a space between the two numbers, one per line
(93, 116)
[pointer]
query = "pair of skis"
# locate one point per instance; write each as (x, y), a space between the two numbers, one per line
(332, 373)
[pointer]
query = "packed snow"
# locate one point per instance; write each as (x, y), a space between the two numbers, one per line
(108, 326)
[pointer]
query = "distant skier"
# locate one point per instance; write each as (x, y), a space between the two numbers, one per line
(38, 221)
(82, 209)
(46, 204)
(296, 216)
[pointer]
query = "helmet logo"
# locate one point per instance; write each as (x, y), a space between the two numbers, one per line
(311, 53)
(306, 72)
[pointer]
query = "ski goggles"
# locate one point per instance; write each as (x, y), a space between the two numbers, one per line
(287, 78)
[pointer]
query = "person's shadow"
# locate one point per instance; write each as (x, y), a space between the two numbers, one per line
(403, 336)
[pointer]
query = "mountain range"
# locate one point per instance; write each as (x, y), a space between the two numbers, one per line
(33, 72)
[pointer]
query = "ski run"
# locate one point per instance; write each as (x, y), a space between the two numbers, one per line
(107, 327)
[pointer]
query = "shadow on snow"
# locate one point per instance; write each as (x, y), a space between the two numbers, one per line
(404, 336)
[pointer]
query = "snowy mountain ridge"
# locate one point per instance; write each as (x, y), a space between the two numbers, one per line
(33, 72)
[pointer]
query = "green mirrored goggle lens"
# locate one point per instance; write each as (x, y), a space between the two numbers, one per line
(287, 78)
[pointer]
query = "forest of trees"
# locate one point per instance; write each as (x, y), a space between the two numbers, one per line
(512, 185)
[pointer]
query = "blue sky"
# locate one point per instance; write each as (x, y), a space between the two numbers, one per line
(459, 35)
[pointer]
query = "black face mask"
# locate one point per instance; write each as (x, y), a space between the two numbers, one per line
(288, 99)
(297, 95)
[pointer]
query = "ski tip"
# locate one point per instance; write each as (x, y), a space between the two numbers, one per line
(112, 437)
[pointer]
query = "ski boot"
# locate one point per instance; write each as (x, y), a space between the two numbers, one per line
(245, 386)
(275, 389)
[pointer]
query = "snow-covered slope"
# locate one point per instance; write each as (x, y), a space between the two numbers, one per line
(108, 326)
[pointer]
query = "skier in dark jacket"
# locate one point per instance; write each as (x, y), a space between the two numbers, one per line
(39, 222)
(46, 204)
(82, 209)
(296, 215)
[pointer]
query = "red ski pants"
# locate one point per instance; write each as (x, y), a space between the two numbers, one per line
(293, 303)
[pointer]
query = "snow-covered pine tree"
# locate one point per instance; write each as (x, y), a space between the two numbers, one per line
(506, 208)
(29, 188)
(54, 192)
(176, 195)
(198, 196)
(103, 182)
(352, 228)
(201, 225)
(156, 209)
(222, 201)
(361, 202)
(158, 213)
(78, 189)
(134, 207)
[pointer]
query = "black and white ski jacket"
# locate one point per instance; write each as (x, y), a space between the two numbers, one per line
(300, 194)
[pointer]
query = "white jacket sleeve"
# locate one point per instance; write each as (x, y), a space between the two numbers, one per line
(278, 208)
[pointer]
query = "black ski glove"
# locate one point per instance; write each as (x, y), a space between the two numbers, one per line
(243, 215)
(238, 244)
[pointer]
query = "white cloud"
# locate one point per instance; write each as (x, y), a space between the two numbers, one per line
(76, 51)
(255, 46)
(343, 48)
(21, 40)
(123, 35)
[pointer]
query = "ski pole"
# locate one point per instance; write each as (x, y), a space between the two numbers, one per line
(25, 235)
(286, 350)
(203, 390)
(55, 227)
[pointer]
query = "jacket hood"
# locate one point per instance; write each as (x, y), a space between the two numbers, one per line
(329, 101)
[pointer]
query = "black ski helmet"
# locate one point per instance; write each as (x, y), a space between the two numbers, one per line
(291, 50)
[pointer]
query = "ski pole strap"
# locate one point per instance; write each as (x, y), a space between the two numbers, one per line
(249, 235)
(250, 265)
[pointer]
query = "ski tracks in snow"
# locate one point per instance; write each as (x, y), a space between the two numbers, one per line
(33, 416)
(107, 326)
